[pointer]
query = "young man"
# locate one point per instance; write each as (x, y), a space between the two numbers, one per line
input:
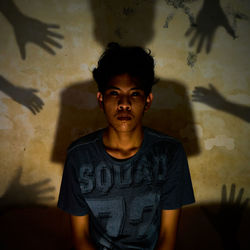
(124, 185)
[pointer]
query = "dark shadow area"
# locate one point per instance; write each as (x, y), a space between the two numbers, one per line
(171, 113)
(49, 228)
(35, 228)
(211, 97)
(30, 30)
(226, 220)
(79, 115)
(20, 227)
(21, 95)
(223, 226)
(128, 22)
(18, 195)
(209, 19)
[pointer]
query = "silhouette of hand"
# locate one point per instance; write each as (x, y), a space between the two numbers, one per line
(28, 29)
(227, 219)
(32, 30)
(209, 19)
(23, 96)
(28, 98)
(18, 195)
(209, 96)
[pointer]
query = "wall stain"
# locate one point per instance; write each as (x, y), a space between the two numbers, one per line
(168, 20)
(180, 4)
(128, 11)
(238, 16)
(191, 59)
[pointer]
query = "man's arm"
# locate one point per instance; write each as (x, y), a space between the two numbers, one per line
(80, 233)
(168, 230)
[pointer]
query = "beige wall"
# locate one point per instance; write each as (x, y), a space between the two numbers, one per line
(32, 147)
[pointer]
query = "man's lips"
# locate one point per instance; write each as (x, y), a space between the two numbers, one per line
(124, 118)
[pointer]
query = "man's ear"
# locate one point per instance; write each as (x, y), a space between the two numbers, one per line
(149, 100)
(99, 97)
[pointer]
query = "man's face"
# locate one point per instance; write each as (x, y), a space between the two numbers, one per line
(124, 103)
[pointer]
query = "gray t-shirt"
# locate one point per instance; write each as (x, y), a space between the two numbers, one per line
(124, 198)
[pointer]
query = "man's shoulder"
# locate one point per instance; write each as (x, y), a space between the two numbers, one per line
(86, 140)
(156, 136)
(162, 143)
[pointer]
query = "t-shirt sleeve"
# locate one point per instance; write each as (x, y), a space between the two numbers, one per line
(177, 189)
(70, 198)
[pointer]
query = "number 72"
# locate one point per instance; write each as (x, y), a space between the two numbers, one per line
(113, 212)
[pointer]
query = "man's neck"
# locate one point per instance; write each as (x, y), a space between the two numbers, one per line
(122, 145)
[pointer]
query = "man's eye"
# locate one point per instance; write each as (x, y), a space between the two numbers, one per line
(113, 93)
(136, 94)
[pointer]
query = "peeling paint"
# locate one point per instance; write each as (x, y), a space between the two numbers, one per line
(5, 123)
(219, 141)
(84, 67)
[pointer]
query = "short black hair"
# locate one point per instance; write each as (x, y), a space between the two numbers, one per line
(117, 60)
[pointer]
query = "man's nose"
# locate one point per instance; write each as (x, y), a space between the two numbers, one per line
(124, 103)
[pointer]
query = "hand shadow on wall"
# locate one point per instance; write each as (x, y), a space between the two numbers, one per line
(216, 226)
(18, 195)
(226, 221)
(25, 222)
(211, 97)
(209, 19)
(79, 115)
(30, 30)
(21, 95)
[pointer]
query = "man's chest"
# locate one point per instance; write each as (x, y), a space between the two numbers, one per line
(124, 199)
(102, 177)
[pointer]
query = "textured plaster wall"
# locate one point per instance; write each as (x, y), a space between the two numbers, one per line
(47, 96)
